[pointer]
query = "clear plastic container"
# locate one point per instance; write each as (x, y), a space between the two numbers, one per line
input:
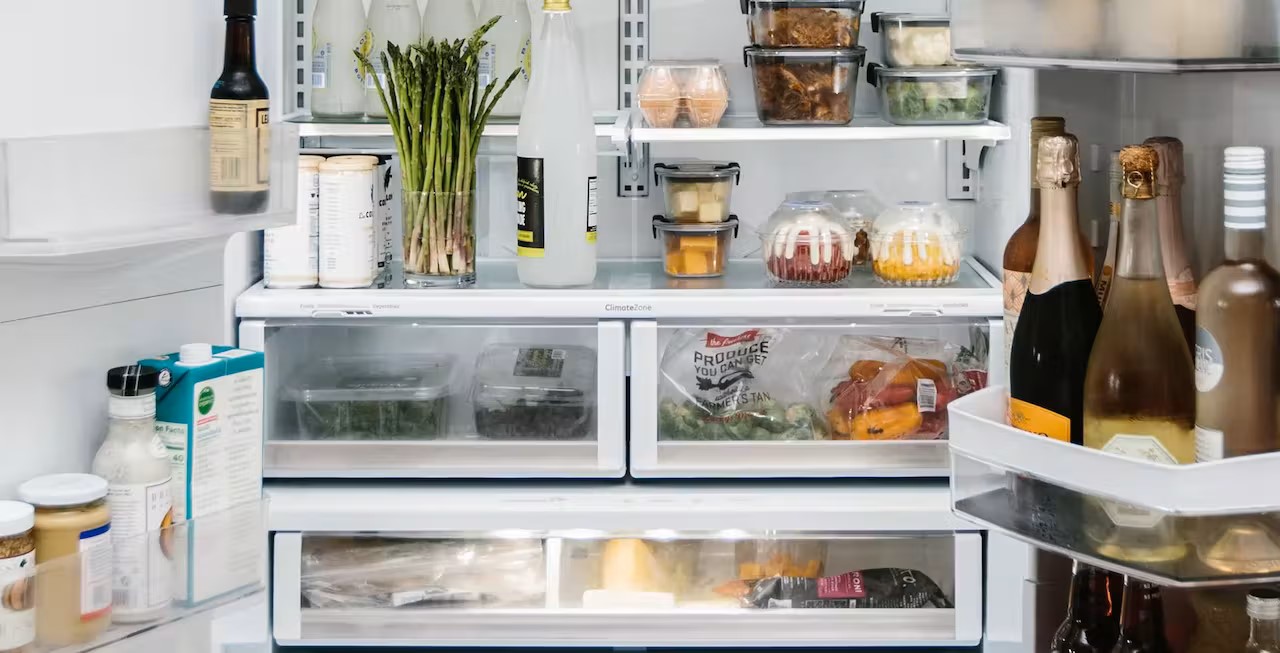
(805, 87)
(913, 40)
(693, 251)
(859, 208)
(698, 191)
(787, 558)
(382, 397)
(535, 392)
(916, 244)
(683, 93)
(945, 95)
(807, 243)
(804, 23)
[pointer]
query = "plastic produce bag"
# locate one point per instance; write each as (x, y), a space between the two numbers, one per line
(868, 588)
(411, 573)
(741, 384)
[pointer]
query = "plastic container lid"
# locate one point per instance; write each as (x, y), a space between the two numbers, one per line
(16, 518)
(420, 377)
(856, 5)
(536, 374)
(859, 208)
(310, 162)
(875, 71)
(662, 224)
(697, 171)
(913, 219)
(857, 54)
(885, 18)
(349, 163)
(62, 490)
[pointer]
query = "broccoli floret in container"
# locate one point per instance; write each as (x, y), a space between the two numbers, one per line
(932, 96)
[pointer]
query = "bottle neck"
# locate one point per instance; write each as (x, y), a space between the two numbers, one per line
(1059, 258)
(1142, 617)
(123, 409)
(1140, 241)
(1247, 244)
(239, 50)
(1265, 633)
(1090, 595)
(1036, 200)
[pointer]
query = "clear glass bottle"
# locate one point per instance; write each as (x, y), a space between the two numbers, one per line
(390, 21)
(337, 30)
(1263, 607)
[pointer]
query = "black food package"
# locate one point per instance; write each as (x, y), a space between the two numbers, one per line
(869, 588)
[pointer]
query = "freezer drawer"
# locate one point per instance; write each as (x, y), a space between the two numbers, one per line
(399, 398)
(623, 566)
(760, 398)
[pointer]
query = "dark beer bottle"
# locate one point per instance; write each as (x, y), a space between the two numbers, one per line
(1141, 620)
(1091, 625)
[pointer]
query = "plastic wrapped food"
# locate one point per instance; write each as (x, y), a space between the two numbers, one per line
(366, 572)
(735, 384)
(804, 23)
(805, 87)
(764, 558)
(914, 40)
(683, 93)
(868, 588)
(806, 242)
(916, 244)
(697, 191)
(946, 95)
(535, 392)
(695, 250)
(374, 397)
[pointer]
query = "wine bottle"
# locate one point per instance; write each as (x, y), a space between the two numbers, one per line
(239, 121)
(1108, 272)
(1060, 314)
(1091, 622)
(1141, 620)
(1139, 398)
(1173, 251)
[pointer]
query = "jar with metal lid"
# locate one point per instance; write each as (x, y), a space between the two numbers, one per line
(17, 580)
(72, 520)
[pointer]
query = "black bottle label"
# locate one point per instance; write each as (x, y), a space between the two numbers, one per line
(531, 237)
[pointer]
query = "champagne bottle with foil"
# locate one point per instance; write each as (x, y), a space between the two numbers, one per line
(1108, 272)
(1060, 314)
(1139, 398)
(1173, 250)
(239, 129)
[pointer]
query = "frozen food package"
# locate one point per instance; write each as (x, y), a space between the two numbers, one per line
(733, 383)
(367, 572)
(763, 558)
(895, 388)
(869, 588)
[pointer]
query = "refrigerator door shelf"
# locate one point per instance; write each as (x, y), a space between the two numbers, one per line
(1194, 525)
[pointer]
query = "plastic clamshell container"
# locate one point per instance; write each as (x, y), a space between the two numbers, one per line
(916, 244)
(804, 23)
(697, 191)
(827, 79)
(910, 40)
(683, 93)
(943, 95)
(758, 559)
(698, 250)
(807, 243)
(381, 397)
(859, 208)
(534, 392)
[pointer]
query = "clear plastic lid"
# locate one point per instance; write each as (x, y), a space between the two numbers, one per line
(413, 377)
(881, 21)
(697, 171)
(855, 5)
(563, 375)
(916, 222)
(857, 54)
(701, 79)
(661, 224)
(930, 73)
(859, 208)
(807, 222)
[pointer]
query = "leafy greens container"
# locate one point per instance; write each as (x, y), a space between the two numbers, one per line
(535, 392)
(374, 397)
(941, 95)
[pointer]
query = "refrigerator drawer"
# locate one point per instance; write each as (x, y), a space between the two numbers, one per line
(399, 398)
(623, 566)
(753, 398)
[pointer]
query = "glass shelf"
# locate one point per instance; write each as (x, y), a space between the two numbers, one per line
(1181, 525)
(739, 129)
(84, 194)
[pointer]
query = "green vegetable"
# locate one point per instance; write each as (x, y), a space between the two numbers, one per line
(765, 420)
(910, 101)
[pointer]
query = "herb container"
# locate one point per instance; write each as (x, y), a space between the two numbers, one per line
(805, 87)
(692, 251)
(531, 392)
(17, 568)
(697, 191)
(403, 397)
(804, 23)
(914, 40)
(944, 95)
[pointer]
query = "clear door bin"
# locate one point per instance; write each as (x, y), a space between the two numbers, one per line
(1182, 525)
(535, 392)
(377, 397)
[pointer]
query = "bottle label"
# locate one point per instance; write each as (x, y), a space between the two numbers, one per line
(348, 242)
(320, 66)
(593, 207)
(379, 71)
(239, 137)
(95, 573)
(531, 208)
(1016, 285)
(1209, 445)
(488, 62)
(17, 609)
(1032, 418)
(926, 396)
(365, 46)
(139, 513)
(526, 59)
(1143, 447)
(1210, 365)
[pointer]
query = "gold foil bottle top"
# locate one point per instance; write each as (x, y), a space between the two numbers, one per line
(556, 5)
(1058, 164)
(1140, 163)
(1041, 127)
(1172, 173)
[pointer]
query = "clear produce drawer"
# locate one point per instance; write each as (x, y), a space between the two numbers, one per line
(1185, 525)
(416, 398)
(643, 576)
(800, 399)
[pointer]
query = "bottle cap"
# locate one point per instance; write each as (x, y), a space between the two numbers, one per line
(309, 162)
(239, 7)
(132, 380)
(1172, 172)
(350, 163)
(1244, 183)
(1058, 165)
(61, 490)
(1140, 163)
(197, 353)
(16, 518)
(556, 5)
(1263, 604)
(1041, 127)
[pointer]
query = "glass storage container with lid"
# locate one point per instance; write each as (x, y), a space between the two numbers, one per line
(914, 39)
(916, 244)
(803, 86)
(375, 397)
(697, 191)
(942, 95)
(535, 392)
(683, 93)
(859, 208)
(804, 23)
(697, 250)
(808, 243)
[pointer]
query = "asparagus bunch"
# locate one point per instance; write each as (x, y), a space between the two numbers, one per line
(437, 112)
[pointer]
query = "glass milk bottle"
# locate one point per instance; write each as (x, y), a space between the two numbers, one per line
(337, 30)
(394, 21)
(510, 47)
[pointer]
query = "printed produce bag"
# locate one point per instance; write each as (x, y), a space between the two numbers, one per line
(897, 388)
(741, 384)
